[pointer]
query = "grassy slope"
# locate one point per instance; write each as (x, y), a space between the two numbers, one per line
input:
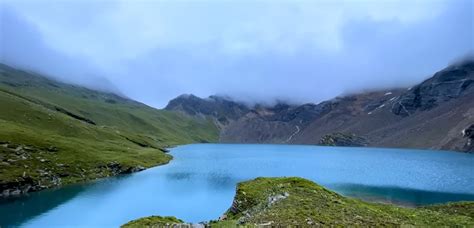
(308, 203)
(154, 221)
(298, 202)
(76, 133)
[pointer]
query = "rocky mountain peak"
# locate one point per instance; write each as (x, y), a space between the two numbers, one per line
(222, 109)
(452, 82)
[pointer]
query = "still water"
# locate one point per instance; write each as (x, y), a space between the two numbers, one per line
(199, 183)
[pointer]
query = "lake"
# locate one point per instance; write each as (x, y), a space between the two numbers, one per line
(199, 183)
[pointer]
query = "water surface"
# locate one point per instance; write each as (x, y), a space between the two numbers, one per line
(199, 183)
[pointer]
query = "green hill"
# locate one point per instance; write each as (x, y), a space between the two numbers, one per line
(296, 202)
(52, 133)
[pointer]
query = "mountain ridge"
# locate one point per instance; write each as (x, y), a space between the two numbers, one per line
(430, 115)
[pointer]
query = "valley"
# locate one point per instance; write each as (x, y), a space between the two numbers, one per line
(161, 113)
(68, 138)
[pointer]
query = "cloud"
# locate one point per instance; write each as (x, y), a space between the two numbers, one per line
(302, 51)
(23, 46)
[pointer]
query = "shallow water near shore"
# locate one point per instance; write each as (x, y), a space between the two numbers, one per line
(199, 183)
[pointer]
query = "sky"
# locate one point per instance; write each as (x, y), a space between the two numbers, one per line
(252, 51)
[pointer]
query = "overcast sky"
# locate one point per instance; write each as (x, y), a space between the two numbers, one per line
(302, 51)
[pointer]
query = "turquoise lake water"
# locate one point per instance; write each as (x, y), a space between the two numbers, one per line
(199, 183)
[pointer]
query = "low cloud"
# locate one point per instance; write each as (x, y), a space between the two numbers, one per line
(255, 52)
(23, 46)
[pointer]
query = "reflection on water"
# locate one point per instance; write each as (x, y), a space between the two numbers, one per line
(199, 184)
(397, 195)
(221, 181)
(179, 176)
(14, 210)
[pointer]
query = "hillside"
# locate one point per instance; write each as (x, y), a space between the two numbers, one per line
(283, 202)
(54, 133)
(436, 114)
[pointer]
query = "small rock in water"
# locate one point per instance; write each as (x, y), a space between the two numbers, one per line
(6, 192)
(15, 192)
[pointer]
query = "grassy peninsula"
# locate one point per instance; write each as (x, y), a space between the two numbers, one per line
(299, 202)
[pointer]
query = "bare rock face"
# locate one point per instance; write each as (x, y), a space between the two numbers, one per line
(468, 133)
(452, 82)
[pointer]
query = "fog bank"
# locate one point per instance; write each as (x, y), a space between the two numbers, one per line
(252, 51)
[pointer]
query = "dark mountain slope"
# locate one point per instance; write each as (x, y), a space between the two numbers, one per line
(432, 114)
(222, 110)
(453, 82)
(277, 124)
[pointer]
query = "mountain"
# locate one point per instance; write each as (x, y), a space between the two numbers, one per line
(52, 133)
(436, 114)
(222, 110)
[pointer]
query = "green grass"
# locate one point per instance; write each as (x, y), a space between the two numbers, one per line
(310, 204)
(456, 208)
(79, 134)
(153, 221)
(297, 202)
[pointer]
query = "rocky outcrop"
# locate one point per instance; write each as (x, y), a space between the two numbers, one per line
(115, 168)
(35, 176)
(342, 139)
(21, 186)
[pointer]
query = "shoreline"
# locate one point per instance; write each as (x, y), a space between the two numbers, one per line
(21, 188)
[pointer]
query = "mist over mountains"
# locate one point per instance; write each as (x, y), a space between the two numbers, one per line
(437, 114)
(374, 100)
(319, 51)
